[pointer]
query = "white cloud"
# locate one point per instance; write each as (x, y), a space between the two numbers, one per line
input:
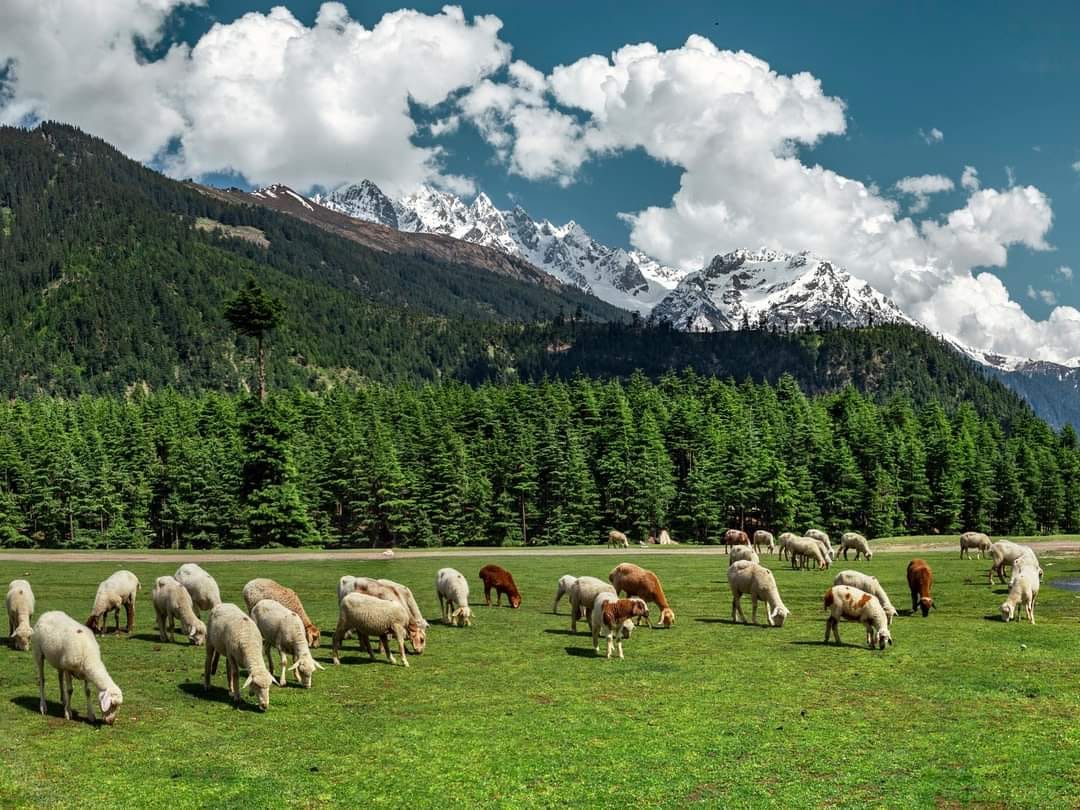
(935, 135)
(920, 188)
(1046, 296)
(1010, 176)
(264, 95)
(1076, 166)
(445, 126)
(969, 180)
(1065, 272)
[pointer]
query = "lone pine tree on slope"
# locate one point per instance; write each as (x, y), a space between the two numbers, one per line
(254, 313)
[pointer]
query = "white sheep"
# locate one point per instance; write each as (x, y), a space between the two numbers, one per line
(234, 634)
(205, 594)
(854, 605)
(803, 549)
(782, 543)
(371, 616)
(565, 583)
(865, 582)
(120, 589)
(854, 540)
(617, 539)
(1006, 553)
(742, 553)
(282, 629)
(749, 577)
(764, 540)
(583, 595)
(20, 607)
(817, 534)
(394, 592)
(453, 591)
(171, 602)
(973, 540)
(1023, 590)
(73, 651)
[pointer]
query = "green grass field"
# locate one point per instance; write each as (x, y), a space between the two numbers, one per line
(514, 711)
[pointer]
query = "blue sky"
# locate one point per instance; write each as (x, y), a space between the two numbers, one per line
(998, 83)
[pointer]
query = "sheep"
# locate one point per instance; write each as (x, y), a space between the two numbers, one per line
(865, 582)
(371, 616)
(583, 594)
(636, 581)
(616, 539)
(1023, 590)
(119, 589)
(234, 634)
(782, 543)
(616, 618)
(920, 580)
(742, 553)
(665, 539)
(172, 601)
(74, 652)
(803, 548)
(453, 591)
(393, 592)
(735, 537)
(1005, 553)
(764, 539)
(204, 591)
(258, 589)
(494, 576)
(817, 534)
(750, 577)
(854, 605)
(854, 540)
(565, 583)
(973, 540)
(20, 607)
(282, 628)
(388, 554)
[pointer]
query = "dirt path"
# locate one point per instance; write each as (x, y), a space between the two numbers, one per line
(132, 556)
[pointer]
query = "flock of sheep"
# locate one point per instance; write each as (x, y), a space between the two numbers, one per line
(275, 618)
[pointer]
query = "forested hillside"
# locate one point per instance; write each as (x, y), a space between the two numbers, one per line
(556, 462)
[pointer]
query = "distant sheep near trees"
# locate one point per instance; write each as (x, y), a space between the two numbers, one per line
(974, 540)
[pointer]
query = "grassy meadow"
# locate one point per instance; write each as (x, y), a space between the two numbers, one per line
(514, 711)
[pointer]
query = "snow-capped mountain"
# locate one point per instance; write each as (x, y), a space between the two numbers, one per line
(771, 288)
(627, 279)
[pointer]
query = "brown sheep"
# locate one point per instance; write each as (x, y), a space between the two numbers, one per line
(258, 589)
(920, 579)
(736, 537)
(636, 581)
(616, 612)
(500, 579)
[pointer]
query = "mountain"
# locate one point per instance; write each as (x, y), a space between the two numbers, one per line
(362, 201)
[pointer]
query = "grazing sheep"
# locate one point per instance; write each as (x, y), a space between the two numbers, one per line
(583, 594)
(665, 538)
(171, 602)
(204, 591)
(20, 607)
(764, 540)
(1006, 553)
(234, 634)
(637, 581)
(393, 592)
(119, 589)
(281, 628)
(405, 597)
(615, 617)
(735, 537)
(865, 582)
(853, 605)
(615, 538)
(1023, 590)
(258, 589)
(817, 534)
(742, 553)
(920, 580)
(802, 549)
(854, 540)
(74, 652)
(453, 591)
(566, 581)
(747, 577)
(389, 554)
(782, 544)
(372, 616)
(973, 540)
(494, 576)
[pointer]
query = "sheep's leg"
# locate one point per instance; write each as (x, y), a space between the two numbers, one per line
(284, 661)
(64, 702)
(40, 662)
(339, 634)
(596, 639)
(753, 608)
(610, 644)
(129, 611)
(89, 702)
(619, 644)
(487, 595)
(207, 666)
(401, 647)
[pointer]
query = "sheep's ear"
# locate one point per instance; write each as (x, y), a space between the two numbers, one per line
(247, 683)
(105, 699)
(317, 664)
(294, 667)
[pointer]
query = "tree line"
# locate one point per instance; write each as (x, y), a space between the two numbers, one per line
(551, 462)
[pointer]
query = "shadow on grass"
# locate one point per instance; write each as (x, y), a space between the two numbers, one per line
(56, 709)
(552, 631)
(215, 694)
(829, 644)
(994, 617)
(732, 622)
(156, 638)
(582, 652)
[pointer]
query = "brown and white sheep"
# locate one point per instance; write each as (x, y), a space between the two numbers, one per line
(735, 537)
(498, 578)
(920, 580)
(615, 618)
(637, 581)
(853, 605)
(258, 589)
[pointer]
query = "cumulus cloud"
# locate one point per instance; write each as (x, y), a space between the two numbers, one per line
(264, 95)
(1046, 296)
(1076, 166)
(920, 188)
(969, 180)
(935, 135)
(1065, 272)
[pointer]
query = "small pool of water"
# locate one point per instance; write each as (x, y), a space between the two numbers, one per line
(1067, 584)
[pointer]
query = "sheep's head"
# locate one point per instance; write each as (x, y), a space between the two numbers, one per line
(417, 637)
(95, 624)
(20, 639)
(1007, 610)
(891, 613)
(305, 667)
(869, 555)
(884, 638)
(258, 685)
(313, 635)
(110, 700)
(925, 603)
(515, 600)
(778, 615)
(197, 633)
(667, 617)
(462, 616)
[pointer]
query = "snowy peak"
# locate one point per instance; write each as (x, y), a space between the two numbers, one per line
(363, 200)
(277, 191)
